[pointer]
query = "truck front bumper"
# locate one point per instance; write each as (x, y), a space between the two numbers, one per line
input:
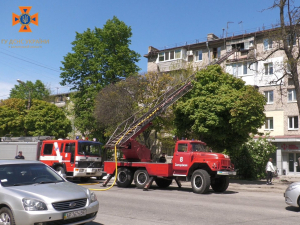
(87, 172)
(226, 173)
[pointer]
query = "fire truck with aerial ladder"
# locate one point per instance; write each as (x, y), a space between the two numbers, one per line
(190, 160)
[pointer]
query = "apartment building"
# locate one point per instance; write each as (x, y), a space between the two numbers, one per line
(246, 59)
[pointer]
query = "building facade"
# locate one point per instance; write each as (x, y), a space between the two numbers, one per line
(251, 61)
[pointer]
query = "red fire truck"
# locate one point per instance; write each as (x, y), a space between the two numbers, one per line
(74, 158)
(190, 160)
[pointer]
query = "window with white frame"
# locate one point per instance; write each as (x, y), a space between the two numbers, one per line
(293, 123)
(177, 54)
(268, 44)
(268, 68)
(169, 55)
(161, 56)
(269, 97)
(292, 95)
(199, 55)
(269, 123)
(239, 69)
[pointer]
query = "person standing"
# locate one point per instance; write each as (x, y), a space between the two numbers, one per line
(20, 156)
(162, 159)
(269, 170)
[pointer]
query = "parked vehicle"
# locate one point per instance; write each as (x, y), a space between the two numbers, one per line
(33, 193)
(190, 160)
(75, 158)
(292, 194)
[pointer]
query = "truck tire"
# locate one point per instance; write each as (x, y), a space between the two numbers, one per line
(220, 184)
(124, 177)
(163, 183)
(141, 178)
(200, 181)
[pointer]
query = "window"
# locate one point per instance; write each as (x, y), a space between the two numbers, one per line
(293, 123)
(177, 54)
(269, 123)
(182, 147)
(290, 81)
(268, 68)
(166, 55)
(161, 56)
(291, 95)
(48, 149)
(269, 96)
(239, 69)
(268, 44)
(171, 54)
(289, 40)
(199, 55)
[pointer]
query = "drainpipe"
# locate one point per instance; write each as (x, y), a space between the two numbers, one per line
(208, 52)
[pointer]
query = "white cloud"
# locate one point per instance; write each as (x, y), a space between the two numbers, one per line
(5, 89)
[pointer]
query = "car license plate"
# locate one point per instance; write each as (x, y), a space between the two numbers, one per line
(78, 213)
(90, 170)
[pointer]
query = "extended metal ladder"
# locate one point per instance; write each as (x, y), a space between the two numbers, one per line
(132, 126)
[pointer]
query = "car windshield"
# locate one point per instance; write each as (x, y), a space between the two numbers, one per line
(89, 148)
(197, 147)
(26, 174)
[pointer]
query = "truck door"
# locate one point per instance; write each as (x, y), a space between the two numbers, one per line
(69, 156)
(181, 159)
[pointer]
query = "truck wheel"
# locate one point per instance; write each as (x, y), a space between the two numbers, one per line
(163, 183)
(220, 184)
(124, 177)
(141, 178)
(6, 216)
(200, 181)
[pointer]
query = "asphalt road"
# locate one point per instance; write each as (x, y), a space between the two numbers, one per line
(238, 205)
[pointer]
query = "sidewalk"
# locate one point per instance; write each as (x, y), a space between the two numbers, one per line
(279, 184)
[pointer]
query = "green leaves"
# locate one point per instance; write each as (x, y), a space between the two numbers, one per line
(220, 110)
(43, 118)
(99, 57)
(35, 90)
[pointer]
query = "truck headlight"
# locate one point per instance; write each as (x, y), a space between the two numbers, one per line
(33, 205)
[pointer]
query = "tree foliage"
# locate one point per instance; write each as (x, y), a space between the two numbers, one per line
(37, 90)
(100, 57)
(43, 118)
(220, 110)
(251, 158)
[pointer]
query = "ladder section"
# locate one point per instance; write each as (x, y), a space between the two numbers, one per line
(138, 122)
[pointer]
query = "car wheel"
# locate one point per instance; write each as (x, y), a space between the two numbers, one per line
(163, 183)
(200, 181)
(220, 184)
(124, 177)
(141, 178)
(6, 216)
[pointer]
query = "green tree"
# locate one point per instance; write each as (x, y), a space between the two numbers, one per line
(220, 110)
(99, 57)
(37, 90)
(251, 158)
(43, 118)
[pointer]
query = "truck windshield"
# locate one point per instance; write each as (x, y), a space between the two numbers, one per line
(197, 147)
(89, 148)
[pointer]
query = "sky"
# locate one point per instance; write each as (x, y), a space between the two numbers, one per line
(157, 23)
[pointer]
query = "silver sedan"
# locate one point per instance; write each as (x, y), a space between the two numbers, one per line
(292, 194)
(31, 193)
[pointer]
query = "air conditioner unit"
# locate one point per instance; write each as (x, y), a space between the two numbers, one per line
(68, 98)
(190, 52)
